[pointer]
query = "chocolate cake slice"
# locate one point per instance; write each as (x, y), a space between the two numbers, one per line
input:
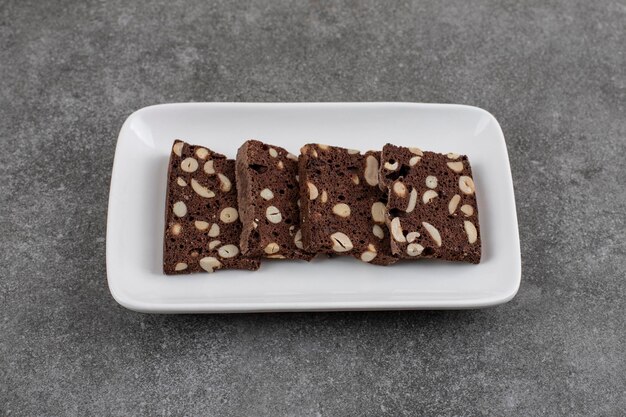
(342, 205)
(202, 228)
(267, 187)
(432, 211)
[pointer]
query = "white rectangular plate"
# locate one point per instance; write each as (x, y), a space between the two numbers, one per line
(137, 198)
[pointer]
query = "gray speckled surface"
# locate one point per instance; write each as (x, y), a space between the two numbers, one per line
(552, 72)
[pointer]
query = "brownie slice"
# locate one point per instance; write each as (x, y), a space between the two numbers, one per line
(342, 206)
(432, 211)
(201, 219)
(267, 187)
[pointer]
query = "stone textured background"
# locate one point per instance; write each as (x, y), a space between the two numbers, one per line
(552, 72)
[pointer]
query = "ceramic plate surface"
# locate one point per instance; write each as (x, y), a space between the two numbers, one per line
(137, 199)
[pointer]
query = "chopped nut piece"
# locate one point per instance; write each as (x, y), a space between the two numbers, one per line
(341, 242)
(455, 166)
(297, 239)
(470, 229)
(396, 230)
(267, 194)
(399, 189)
(378, 231)
(466, 184)
(412, 201)
(201, 225)
(189, 165)
(428, 196)
(225, 184)
(371, 170)
(368, 256)
(414, 249)
(179, 209)
(378, 212)
(228, 251)
(433, 232)
(454, 202)
(391, 166)
(202, 153)
(229, 215)
(411, 236)
(467, 210)
(200, 190)
(178, 148)
(414, 160)
(273, 214)
(313, 193)
(176, 229)
(341, 210)
(214, 231)
(209, 168)
(272, 248)
(210, 264)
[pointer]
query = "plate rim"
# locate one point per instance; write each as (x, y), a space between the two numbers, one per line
(281, 306)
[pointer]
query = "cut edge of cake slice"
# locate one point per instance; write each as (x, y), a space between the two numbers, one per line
(342, 206)
(431, 209)
(268, 199)
(201, 219)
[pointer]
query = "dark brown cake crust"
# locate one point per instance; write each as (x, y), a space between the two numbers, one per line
(201, 220)
(342, 206)
(267, 188)
(431, 211)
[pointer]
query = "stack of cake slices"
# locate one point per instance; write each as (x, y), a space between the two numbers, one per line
(377, 206)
